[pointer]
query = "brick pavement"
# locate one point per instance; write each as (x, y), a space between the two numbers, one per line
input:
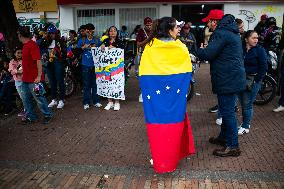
(79, 147)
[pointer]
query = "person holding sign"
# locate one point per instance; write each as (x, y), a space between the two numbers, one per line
(88, 71)
(165, 72)
(113, 42)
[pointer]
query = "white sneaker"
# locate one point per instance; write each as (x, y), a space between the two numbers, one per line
(53, 103)
(98, 105)
(242, 131)
(116, 107)
(140, 98)
(109, 106)
(219, 121)
(279, 109)
(86, 106)
(60, 104)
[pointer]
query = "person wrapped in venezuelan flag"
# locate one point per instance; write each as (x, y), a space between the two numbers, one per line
(165, 74)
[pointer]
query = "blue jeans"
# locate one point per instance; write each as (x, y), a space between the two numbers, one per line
(89, 86)
(229, 128)
(281, 100)
(28, 96)
(19, 87)
(246, 99)
(55, 73)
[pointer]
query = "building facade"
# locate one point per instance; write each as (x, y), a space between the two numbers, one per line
(131, 13)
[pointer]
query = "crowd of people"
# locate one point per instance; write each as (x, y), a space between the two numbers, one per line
(238, 63)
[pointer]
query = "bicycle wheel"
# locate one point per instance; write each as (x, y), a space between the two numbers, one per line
(190, 91)
(267, 91)
(69, 86)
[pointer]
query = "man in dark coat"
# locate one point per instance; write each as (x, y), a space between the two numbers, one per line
(224, 52)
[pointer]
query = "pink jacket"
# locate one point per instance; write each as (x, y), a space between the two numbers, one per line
(13, 69)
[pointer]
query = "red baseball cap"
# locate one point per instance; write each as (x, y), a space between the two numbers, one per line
(215, 14)
(263, 17)
(147, 20)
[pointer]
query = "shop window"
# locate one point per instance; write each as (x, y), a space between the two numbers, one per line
(101, 18)
(130, 17)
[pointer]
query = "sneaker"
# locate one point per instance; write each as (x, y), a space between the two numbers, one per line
(60, 104)
(242, 131)
(46, 120)
(7, 112)
(219, 121)
(53, 103)
(86, 106)
(26, 121)
(109, 106)
(279, 109)
(21, 114)
(98, 105)
(140, 98)
(116, 107)
(241, 125)
(213, 109)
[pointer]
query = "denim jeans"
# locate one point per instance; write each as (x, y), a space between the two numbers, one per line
(281, 100)
(28, 96)
(55, 74)
(229, 128)
(19, 87)
(89, 85)
(246, 99)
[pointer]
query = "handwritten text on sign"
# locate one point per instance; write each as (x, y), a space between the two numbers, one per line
(109, 66)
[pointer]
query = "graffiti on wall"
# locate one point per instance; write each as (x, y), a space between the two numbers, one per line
(33, 25)
(249, 16)
(27, 5)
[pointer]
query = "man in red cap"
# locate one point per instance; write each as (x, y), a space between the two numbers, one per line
(143, 34)
(213, 17)
(228, 77)
(141, 40)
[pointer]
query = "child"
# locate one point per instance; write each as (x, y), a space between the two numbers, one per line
(15, 68)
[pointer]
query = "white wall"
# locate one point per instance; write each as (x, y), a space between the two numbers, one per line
(165, 10)
(67, 18)
(250, 13)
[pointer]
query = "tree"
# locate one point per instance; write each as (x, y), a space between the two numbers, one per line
(9, 24)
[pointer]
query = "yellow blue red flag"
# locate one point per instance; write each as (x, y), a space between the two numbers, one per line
(165, 75)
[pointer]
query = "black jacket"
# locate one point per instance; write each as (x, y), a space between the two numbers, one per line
(225, 53)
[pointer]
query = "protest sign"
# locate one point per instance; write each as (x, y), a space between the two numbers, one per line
(109, 68)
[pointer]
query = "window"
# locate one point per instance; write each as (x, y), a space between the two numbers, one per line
(101, 18)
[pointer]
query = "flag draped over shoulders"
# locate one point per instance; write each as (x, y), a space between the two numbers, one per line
(165, 74)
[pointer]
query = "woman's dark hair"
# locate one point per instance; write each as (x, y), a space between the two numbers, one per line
(18, 47)
(248, 33)
(239, 21)
(161, 28)
(124, 28)
(73, 32)
(109, 31)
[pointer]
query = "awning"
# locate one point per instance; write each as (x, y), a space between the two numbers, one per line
(68, 2)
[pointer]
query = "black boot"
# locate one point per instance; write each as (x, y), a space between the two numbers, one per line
(227, 151)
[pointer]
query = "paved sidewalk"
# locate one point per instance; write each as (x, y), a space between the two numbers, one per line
(79, 147)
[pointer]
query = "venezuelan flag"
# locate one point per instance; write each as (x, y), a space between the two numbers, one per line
(165, 73)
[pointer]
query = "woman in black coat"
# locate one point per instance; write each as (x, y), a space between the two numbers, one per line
(255, 62)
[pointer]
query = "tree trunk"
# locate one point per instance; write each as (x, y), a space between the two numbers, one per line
(9, 25)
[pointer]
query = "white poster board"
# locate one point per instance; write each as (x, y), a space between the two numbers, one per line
(109, 67)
